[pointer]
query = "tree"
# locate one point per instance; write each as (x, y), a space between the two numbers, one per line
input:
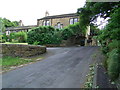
(109, 36)
(7, 23)
(2, 27)
(92, 10)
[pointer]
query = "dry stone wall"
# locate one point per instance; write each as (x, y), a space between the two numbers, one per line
(17, 50)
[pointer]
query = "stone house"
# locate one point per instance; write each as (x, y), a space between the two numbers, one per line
(58, 21)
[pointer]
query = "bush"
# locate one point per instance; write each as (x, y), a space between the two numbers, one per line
(1, 39)
(66, 33)
(114, 64)
(44, 35)
(114, 44)
(71, 30)
(21, 37)
(5, 37)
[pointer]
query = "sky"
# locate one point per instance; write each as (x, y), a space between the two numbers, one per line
(30, 10)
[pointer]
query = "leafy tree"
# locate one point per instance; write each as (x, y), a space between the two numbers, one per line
(109, 36)
(7, 23)
(92, 10)
(2, 27)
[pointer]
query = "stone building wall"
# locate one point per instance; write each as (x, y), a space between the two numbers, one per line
(17, 50)
(65, 21)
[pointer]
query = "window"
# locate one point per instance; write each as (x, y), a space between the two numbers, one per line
(46, 23)
(59, 25)
(7, 32)
(73, 20)
(55, 26)
(43, 23)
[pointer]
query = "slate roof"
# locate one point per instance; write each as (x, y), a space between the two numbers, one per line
(20, 28)
(60, 16)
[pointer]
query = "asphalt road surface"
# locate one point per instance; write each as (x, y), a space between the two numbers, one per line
(62, 68)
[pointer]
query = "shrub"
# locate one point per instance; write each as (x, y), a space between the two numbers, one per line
(5, 37)
(114, 64)
(71, 30)
(114, 44)
(12, 37)
(21, 37)
(1, 39)
(66, 33)
(44, 35)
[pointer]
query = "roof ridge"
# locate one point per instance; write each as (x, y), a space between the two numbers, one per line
(60, 16)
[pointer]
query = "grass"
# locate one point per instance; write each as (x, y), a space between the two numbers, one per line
(13, 61)
(15, 43)
(89, 82)
(9, 62)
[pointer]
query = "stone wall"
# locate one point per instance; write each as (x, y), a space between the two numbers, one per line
(17, 50)
(65, 21)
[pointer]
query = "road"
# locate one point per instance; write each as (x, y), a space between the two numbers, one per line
(64, 68)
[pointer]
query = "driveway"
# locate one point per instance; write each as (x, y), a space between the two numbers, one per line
(62, 68)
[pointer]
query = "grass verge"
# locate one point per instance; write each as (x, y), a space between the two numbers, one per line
(15, 43)
(10, 63)
(90, 75)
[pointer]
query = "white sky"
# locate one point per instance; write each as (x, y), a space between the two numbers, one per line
(30, 10)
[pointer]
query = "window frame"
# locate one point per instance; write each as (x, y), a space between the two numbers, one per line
(73, 20)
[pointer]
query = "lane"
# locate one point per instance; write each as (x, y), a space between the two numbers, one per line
(66, 68)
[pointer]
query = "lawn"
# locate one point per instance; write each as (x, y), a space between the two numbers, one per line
(15, 43)
(9, 63)
(14, 61)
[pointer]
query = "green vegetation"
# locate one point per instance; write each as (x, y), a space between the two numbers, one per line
(7, 23)
(15, 37)
(15, 43)
(71, 30)
(13, 61)
(4, 23)
(8, 62)
(20, 37)
(48, 35)
(89, 82)
(2, 26)
(109, 36)
(114, 64)
(44, 35)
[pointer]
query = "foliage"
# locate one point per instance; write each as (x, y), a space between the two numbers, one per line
(44, 35)
(4, 23)
(114, 64)
(13, 61)
(110, 41)
(20, 36)
(48, 35)
(8, 23)
(109, 36)
(5, 37)
(1, 39)
(71, 30)
(2, 27)
(92, 10)
(66, 33)
(16, 37)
